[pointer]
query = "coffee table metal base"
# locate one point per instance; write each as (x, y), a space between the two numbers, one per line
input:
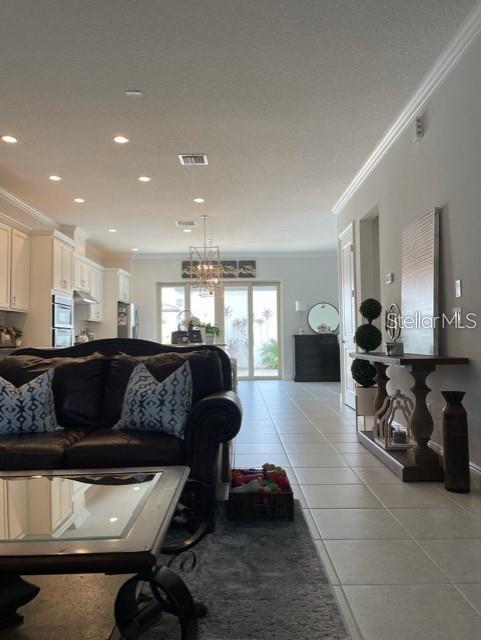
(15, 592)
(136, 611)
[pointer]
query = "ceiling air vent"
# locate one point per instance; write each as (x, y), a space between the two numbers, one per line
(190, 159)
(186, 224)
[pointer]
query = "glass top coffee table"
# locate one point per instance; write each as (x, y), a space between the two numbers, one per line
(111, 521)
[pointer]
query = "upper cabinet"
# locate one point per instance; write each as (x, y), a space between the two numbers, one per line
(20, 281)
(81, 274)
(124, 286)
(5, 240)
(14, 269)
(63, 267)
(97, 291)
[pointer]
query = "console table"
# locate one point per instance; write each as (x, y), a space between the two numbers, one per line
(316, 358)
(421, 462)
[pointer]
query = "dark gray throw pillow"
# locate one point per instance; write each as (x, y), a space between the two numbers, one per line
(29, 408)
(150, 405)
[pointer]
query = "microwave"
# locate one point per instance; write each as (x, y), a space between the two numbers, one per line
(62, 312)
(62, 338)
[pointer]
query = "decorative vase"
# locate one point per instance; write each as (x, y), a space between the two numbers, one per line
(455, 443)
(365, 397)
(209, 338)
(18, 342)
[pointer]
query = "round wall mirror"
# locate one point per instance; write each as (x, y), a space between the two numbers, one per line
(323, 318)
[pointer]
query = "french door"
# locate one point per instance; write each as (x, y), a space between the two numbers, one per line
(247, 314)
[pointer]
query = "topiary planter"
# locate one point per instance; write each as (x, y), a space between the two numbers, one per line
(365, 397)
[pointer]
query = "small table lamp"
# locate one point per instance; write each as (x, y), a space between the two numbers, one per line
(301, 308)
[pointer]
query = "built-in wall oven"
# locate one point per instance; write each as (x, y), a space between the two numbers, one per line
(62, 321)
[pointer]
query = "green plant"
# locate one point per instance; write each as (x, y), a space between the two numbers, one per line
(370, 309)
(270, 354)
(16, 332)
(211, 328)
(363, 372)
(367, 336)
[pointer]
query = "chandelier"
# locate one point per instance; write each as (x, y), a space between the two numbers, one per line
(205, 266)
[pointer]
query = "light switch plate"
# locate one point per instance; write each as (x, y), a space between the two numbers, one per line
(458, 288)
(389, 278)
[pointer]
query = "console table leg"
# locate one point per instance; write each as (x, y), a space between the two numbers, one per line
(15, 592)
(421, 422)
(381, 381)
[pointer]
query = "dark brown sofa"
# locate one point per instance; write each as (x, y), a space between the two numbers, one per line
(88, 386)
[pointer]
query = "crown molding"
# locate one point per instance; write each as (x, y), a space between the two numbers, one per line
(235, 256)
(453, 53)
(11, 222)
(27, 208)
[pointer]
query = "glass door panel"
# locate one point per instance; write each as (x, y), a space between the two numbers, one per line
(265, 331)
(236, 326)
(172, 302)
(202, 307)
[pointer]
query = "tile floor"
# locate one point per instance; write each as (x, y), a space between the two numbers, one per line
(404, 559)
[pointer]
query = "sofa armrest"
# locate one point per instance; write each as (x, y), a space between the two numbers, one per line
(220, 414)
(212, 421)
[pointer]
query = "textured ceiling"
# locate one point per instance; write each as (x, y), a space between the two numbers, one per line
(286, 97)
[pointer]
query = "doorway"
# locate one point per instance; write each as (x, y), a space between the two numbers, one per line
(347, 281)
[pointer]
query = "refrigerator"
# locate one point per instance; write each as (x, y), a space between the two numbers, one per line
(127, 320)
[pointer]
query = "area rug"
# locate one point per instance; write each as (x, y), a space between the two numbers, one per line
(260, 581)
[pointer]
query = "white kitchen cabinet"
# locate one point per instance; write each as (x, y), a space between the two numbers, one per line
(96, 313)
(81, 275)
(20, 271)
(5, 265)
(124, 286)
(62, 266)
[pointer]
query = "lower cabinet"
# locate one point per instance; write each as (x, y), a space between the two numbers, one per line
(316, 358)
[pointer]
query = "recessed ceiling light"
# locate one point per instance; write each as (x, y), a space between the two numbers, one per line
(121, 139)
(79, 200)
(134, 93)
(55, 178)
(134, 249)
(144, 179)
(187, 230)
(113, 519)
(199, 200)
(9, 139)
(112, 230)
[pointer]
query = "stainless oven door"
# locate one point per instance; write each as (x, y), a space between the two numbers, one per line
(62, 338)
(62, 316)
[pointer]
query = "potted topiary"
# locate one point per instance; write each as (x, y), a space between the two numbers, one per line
(211, 333)
(368, 338)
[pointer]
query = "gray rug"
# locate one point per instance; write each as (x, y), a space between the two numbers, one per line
(260, 581)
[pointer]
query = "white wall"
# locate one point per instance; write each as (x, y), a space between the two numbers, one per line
(444, 170)
(311, 279)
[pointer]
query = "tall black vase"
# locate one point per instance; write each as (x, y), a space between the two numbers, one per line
(456, 447)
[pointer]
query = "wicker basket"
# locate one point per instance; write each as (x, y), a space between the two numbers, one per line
(261, 506)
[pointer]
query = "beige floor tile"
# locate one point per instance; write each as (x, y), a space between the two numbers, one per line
(357, 524)
(326, 475)
(439, 523)
(326, 561)
(376, 475)
(257, 460)
(298, 495)
(316, 460)
(314, 531)
(414, 612)
(459, 560)
(382, 562)
(350, 447)
(346, 496)
(471, 500)
(259, 448)
(341, 436)
(313, 436)
(411, 495)
(308, 447)
(362, 460)
(344, 429)
(473, 593)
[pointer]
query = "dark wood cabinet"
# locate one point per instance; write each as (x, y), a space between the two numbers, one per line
(316, 358)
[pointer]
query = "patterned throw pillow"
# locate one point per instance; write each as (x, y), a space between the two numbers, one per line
(150, 405)
(29, 408)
